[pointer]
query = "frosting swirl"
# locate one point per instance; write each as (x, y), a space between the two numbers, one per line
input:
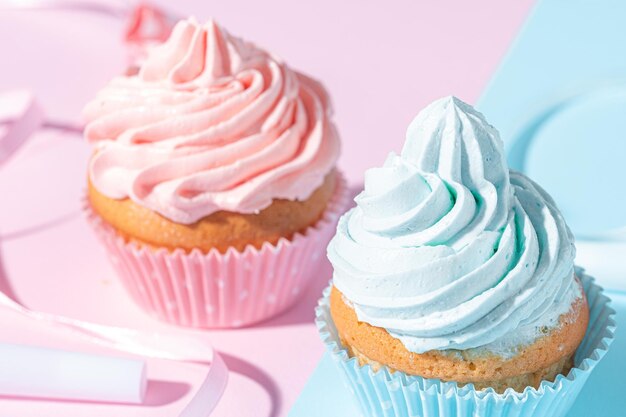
(446, 248)
(210, 123)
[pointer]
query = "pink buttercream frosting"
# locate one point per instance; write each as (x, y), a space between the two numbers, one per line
(210, 123)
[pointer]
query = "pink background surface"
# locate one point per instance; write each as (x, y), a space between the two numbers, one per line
(380, 65)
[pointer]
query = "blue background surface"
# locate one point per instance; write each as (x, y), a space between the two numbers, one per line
(562, 91)
(559, 102)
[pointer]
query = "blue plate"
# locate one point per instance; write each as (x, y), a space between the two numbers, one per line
(559, 100)
(576, 149)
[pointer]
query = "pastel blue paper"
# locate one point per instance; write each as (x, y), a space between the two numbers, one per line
(562, 87)
(385, 394)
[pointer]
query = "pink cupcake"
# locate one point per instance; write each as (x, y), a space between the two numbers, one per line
(213, 183)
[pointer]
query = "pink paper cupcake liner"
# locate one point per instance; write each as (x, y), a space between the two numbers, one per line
(222, 290)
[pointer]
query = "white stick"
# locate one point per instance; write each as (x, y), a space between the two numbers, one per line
(29, 371)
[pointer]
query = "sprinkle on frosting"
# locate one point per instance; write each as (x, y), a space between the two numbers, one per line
(210, 123)
(447, 248)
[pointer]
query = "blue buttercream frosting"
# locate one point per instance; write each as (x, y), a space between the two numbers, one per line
(447, 248)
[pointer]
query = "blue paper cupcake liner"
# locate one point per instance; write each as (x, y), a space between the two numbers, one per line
(395, 394)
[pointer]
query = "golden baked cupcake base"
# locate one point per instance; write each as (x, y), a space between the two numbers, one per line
(220, 230)
(547, 357)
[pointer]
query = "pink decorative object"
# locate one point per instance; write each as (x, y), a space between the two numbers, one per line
(216, 290)
(32, 371)
(147, 23)
(20, 116)
(146, 26)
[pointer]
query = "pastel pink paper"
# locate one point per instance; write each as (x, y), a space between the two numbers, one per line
(215, 290)
(429, 69)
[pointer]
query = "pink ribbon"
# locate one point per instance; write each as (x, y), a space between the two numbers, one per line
(20, 116)
(146, 25)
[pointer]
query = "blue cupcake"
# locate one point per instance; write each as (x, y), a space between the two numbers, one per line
(454, 289)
